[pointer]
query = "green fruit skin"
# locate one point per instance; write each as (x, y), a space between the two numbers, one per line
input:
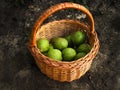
(78, 37)
(43, 44)
(80, 55)
(51, 46)
(60, 43)
(68, 38)
(55, 54)
(68, 54)
(84, 48)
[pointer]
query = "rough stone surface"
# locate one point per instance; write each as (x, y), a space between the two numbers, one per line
(18, 70)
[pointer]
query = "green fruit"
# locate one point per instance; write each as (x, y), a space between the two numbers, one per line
(68, 38)
(78, 37)
(43, 44)
(59, 43)
(80, 55)
(68, 54)
(55, 54)
(84, 48)
(51, 46)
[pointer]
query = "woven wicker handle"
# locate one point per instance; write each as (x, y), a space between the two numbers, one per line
(55, 8)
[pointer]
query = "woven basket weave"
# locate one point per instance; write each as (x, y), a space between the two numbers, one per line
(61, 70)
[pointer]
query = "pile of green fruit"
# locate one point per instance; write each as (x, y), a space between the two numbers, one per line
(68, 48)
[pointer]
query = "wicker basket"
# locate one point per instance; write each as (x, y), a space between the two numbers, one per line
(61, 70)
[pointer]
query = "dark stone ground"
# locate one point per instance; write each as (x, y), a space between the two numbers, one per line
(18, 70)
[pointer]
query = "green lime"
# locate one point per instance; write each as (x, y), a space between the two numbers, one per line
(68, 54)
(51, 46)
(84, 48)
(68, 38)
(78, 37)
(43, 44)
(80, 55)
(59, 43)
(55, 54)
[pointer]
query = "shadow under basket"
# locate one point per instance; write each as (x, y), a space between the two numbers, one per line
(61, 70)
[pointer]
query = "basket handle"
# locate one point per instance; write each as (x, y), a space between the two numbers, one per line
(55, 8)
